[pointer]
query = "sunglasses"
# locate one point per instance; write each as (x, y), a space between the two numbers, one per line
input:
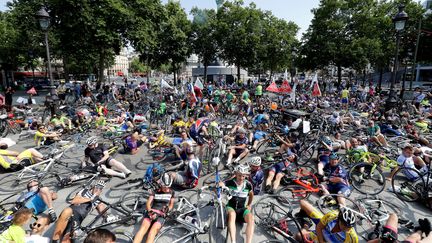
(35, 225)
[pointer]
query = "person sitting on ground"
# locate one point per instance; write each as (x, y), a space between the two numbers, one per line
(389, 233)
(324, 151)
(81, 206)
(335, 226)
(337, 179)
(277, 172)
(374, 132)
(198, 132)
(38, 228)
(99, 156)
(258, 136)
(133, 142)
(337, 121)
(407, 160)
(239, 149)
(11, 161)
(60, 121)
(38, 199)
(181, 149)
(159, 203)
(239, 207)
(191, 174)
(15, 232)
(256, 177)
(43, 137)
(100, 236)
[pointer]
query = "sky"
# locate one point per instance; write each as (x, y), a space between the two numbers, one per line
(298, 11)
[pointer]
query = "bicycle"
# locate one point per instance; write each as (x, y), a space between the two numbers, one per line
(190, 227)
(410, 184)
(303, 183)
(276, 219)
(367, 175)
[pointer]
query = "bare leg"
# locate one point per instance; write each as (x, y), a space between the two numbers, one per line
(45, 194)
(153, 232)
(62, 223)
(249, 227)
(231, 225)
(142, 230)
(119, 166)
(270, 177)
(277, 180)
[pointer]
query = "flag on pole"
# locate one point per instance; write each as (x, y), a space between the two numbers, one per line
(285, 87)
(314, 80)
(316, 90)
(286, 74)
(198, 84)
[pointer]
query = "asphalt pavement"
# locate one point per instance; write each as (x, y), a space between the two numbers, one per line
(411, 211)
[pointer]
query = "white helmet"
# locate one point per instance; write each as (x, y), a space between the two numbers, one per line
(243, 169)
(255, 161)
(91, 141)
(166, 180)
(347, 216)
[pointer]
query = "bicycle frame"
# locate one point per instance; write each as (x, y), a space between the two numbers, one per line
(278, 222)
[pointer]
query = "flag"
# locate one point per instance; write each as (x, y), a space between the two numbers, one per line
(286, 74)
(285, 87)
(273, 87)
(314, 80)
(316, 90)
(32, 91)
(165, 84)
(191, 94)
(198, 84)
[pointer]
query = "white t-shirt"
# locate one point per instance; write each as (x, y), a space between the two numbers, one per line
(408, 163)
(36, 239)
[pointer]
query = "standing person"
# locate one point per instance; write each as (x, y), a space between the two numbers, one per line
(16, 233)
(258, 91)
(418, 97)
(77, 92)
(345, 98)
(61, 92)
(239, 207)
(8, 98)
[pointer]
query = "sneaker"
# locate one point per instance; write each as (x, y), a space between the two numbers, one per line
(52, 215)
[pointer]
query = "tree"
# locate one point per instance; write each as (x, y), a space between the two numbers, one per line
(204, 42)
(238, 33)
(136, 66)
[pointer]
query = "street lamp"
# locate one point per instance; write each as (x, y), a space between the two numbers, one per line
(44, 22)
(293, 69)
(399, 21)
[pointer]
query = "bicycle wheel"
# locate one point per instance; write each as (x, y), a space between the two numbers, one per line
(134, 201)
(73, 193)
(266, 147)
(269, 207)
(379, 210)
(292, 192)
(328, 203)
(367, 178)
(129, 184)
(305, 155)
(123, 237)
(407, 184)
(175, 234)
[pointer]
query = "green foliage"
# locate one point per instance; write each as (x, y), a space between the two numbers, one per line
(136, 66)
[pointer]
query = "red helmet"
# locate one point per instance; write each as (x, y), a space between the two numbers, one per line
(11, 115)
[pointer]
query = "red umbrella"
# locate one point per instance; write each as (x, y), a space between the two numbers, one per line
(32, 91)
(286, 87)
(273, 87)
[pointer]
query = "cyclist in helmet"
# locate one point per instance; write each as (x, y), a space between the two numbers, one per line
(198, 132)
(277, 172)
(337, 179)
(335, 226)
(256, 177)
(324, 152)
(190, 176)
(159, 203)
(239, 207)
(82, 204)
(239, 149)
(99, 156)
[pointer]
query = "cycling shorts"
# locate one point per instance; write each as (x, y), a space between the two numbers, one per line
(339, 188)
(344, 100)
(159, 219)
(278, 168)
(240, 213)
(389, 234)
(325, 159)
(198, 139)
(37, 204)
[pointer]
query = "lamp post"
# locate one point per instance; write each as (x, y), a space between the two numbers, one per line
(293, 68)
(399, 21)
(44, 22)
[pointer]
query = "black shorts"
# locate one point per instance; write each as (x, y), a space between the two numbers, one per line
(238, 152)
(79, 212)
(240, 213)
(62, 96)
(199, 140)
(158, 218)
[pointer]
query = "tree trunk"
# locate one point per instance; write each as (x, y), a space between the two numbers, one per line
(205, 72)
(65, 68)
(175, 72)
(339, 67)
(101, 77)
(238, 73)
(380, 80)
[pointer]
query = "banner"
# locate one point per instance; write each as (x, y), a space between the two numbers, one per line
(316, 90)
(32, 91)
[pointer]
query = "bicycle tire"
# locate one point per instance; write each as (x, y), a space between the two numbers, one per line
(406, 189)
(266, 147)
(379, 209)
(292, 192)
(73, 193)
(134, 201)
(123, 237)
(4, 129)
(306, 155)
(174, 234)
(282, 208)
(325, 206)
(223, 176)
(366, 181)
(128, 184)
